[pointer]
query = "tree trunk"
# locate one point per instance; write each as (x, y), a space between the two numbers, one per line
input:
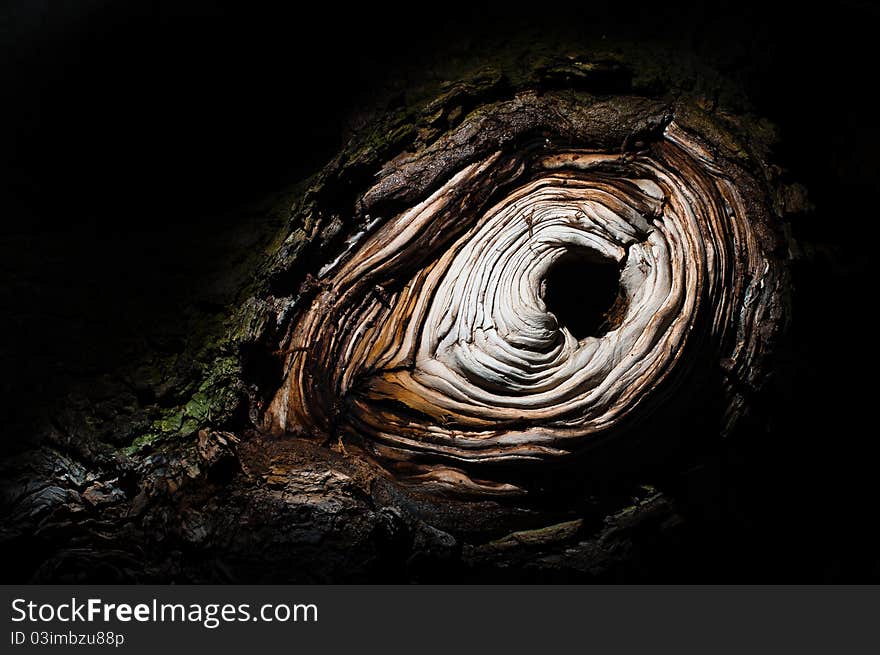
(423, 381)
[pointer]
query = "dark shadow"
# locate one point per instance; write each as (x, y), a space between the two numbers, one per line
(581, 289)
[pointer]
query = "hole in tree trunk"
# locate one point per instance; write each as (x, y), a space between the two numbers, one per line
(582, 289)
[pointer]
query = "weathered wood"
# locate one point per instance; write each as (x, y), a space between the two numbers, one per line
(429, 338)
(393, 401)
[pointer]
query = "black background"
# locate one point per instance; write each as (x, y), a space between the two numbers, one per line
(132, 128)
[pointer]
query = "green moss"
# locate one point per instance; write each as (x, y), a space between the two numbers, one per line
(146, 439)
(213, 402)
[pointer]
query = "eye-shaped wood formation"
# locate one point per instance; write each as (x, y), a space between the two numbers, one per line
(429, 339)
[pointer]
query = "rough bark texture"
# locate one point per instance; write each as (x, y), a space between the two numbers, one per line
(428, 335)
(183, 485)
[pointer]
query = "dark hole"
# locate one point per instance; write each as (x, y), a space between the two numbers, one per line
(582, 289)
(262, 368)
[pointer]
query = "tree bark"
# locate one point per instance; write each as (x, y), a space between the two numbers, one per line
(331, 439)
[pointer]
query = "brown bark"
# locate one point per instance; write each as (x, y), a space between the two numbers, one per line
(277, 473)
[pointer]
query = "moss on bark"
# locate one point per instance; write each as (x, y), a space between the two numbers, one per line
(124, 488)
